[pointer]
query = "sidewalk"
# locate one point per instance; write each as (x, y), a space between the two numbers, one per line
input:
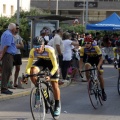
(21, 92)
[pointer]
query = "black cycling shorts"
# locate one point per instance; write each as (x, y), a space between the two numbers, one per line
(94, 60)
(46, 64)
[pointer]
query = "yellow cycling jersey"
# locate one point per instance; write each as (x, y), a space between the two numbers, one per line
(116, 52)
(93, 52)
(48, 54)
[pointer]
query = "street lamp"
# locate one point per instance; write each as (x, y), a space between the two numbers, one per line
(86, 18)
(18, 12)
(83, 12)
(56, 7)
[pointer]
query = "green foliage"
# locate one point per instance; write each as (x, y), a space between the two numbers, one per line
(24, 22)
(76, 28)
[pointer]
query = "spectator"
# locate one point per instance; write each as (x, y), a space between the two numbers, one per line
(58, 45)
(9, 50)
(51, 42)
(59, 48)
(67, 54)
(17, 56)
(81, 40)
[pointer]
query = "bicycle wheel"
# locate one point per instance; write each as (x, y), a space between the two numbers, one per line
(52, 101)
(37, 104)
(118, 85)
(93, 94)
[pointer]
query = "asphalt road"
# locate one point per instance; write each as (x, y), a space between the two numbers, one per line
(75, 102)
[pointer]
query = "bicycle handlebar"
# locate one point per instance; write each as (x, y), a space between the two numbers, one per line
(86, 71)
(89, 70)
(41, 75)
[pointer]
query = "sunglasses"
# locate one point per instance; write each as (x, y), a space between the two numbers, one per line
(87, 42)
(17, 28)
(36, 46)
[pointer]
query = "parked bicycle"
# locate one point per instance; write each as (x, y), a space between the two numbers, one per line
(41, 97)
(94, 91)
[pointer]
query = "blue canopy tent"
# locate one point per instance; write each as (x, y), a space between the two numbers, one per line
(110, 23)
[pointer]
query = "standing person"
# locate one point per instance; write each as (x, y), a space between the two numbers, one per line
(9, 50)
(58, 45)
(17, 56)
(59, 48)
(67, 54)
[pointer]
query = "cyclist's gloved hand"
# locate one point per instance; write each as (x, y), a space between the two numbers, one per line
(47, 78)
(24, 78)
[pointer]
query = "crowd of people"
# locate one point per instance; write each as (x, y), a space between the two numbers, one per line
(65, 53)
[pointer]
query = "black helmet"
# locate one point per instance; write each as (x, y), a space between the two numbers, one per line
(118, 43)
(38, 40)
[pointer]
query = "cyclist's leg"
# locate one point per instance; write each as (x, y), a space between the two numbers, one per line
(100, 76)
(35, 69)
(87, 66)
(56, 90)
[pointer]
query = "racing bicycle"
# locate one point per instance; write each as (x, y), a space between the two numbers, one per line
(94, 91)
(41, 97)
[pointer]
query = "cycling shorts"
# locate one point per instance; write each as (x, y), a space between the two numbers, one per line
(94, 61)
(46, 64)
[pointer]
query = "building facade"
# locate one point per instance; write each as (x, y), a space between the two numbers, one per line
(9, 7)
(98, 10)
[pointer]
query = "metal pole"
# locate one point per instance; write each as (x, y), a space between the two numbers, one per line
(56, 7)
(18, 12)
(86, 19)
(49, 9)
(32, 34)
(83, 12)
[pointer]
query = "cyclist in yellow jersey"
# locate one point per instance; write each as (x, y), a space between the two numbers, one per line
(46, 59)
(116, 51)
(93, 56)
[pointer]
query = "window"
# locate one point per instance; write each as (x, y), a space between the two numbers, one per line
(4, 8)
(12, 10)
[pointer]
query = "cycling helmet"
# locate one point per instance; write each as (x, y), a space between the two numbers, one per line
(38, 40)
(88, 39)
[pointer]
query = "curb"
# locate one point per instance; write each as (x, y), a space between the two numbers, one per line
(15, 95)
(23, 93)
